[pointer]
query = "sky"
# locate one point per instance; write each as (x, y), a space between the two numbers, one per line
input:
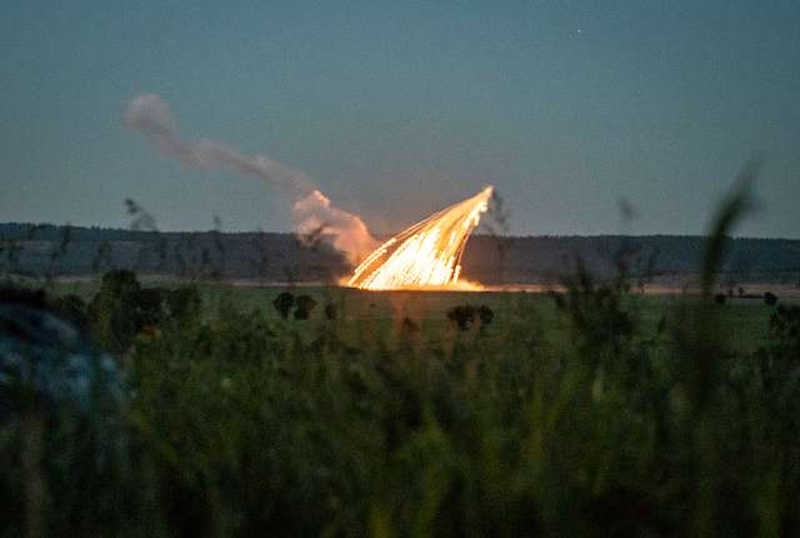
(398, 109)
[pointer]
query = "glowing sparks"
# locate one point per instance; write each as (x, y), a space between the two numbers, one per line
(428, 254)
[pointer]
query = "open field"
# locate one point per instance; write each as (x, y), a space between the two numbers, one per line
(744, 319)
(596, 411)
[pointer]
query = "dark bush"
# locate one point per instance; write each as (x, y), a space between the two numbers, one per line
(305, 305)
(114, 313)
(770, 299)
(463, 316)
(120, 283)
(122, 309)
(485, 314)
(149, 305)
(283, 303)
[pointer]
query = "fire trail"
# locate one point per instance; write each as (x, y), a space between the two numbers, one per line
(426, 255)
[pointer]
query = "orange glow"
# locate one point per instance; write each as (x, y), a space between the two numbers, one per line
(426, 255)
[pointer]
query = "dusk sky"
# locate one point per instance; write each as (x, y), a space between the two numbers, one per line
(398, 109)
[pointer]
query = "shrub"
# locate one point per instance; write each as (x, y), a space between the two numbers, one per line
(114, 313)
(283, 303)
(463, 316)
(304, 306)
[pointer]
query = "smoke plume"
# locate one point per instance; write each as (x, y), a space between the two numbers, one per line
(312, 211)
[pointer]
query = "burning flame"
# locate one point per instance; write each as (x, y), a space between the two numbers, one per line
(428, 254)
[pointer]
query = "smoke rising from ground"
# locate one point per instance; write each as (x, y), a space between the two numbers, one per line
(314, 214)
(312, 211)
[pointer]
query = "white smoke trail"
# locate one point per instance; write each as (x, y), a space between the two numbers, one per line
(312, 211)
(314, 214)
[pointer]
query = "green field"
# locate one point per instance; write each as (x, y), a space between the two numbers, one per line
(595, 412)
(745, 322)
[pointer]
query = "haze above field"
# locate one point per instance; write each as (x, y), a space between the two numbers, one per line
(397, 111)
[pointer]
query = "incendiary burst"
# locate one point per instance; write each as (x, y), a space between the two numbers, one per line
(426, 255)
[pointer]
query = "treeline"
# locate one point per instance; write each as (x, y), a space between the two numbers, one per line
(38, 250)
(43, 250)
(532, 259)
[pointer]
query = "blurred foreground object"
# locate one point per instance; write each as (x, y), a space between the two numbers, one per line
(60, 407)
(45, 361)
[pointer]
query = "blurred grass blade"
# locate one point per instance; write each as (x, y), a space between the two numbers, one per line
(736, 204)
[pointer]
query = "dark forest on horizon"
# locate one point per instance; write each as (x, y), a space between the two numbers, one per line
(29, 249)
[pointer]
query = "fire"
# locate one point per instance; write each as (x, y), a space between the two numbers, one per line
(428, 254)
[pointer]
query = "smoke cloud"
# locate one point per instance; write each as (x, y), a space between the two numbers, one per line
(312, 212)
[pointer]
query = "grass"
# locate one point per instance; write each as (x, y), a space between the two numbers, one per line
(592, 412)
(240, 422)
(745, 321)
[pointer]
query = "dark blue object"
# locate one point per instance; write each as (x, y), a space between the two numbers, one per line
(46, 360)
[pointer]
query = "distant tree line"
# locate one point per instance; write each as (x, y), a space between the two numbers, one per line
(38, 250)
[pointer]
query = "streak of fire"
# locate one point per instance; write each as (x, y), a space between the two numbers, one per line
(427, 254)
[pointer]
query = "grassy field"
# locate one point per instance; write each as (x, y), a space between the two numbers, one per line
(745, 321)
(594, 412)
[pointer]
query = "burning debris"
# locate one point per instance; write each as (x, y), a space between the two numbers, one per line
(428, 254)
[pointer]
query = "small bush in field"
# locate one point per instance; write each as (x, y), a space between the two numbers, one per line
(123, 309)
(465, 316)
(304, 307)
(114, 312)
(485, 314)
(300, 307)
(283, 303)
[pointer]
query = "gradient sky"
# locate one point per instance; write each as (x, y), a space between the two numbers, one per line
(397, 109)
